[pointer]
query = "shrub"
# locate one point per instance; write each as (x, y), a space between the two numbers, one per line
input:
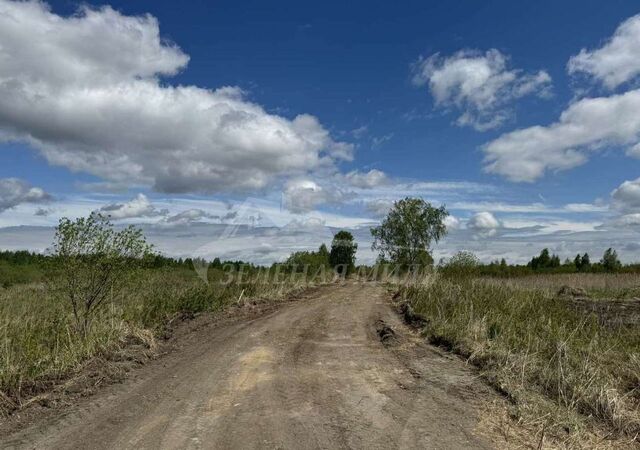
(93, 260)
(462, 264)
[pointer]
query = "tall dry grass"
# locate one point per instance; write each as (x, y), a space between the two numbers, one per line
(564, 372)
(39, 344)
(597, 285)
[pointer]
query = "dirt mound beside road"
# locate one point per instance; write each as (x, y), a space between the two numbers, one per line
(610, 312)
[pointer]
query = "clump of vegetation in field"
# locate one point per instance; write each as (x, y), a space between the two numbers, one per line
(20, 267)
(564, 372)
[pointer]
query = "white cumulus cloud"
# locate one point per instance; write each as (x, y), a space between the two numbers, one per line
(451, 222)
(379, 207)
(585, 126)
(367, 180)
(86, 91)
(303, 195)
(480, 84)
(484, 224)
(189, 216)
(626, 197)
(617, 61)
(14, 191)
(138, 207)
(626, 220)
(634, 151)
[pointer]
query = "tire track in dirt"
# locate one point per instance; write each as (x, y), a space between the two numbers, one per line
(313, 374)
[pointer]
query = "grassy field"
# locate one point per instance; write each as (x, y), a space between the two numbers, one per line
(597, 285)
(40, 346)
(567, 376)
(11, 274)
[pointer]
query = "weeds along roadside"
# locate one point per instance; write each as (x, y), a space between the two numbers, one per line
(563, 372)
(40, 345)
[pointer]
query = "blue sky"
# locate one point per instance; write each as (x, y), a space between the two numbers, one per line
(517, 116)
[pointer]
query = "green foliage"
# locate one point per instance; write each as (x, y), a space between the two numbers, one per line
(93, 260)
(343, 252)
(610, 261)
(21, 266)
(406, 234)
(462, 264)
(545, 261)
(548, 263)
(12, 274)
(577, 261)
(22, 257)
(309, 262)
(582, 263)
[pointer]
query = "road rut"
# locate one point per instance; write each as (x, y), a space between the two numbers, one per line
(312, 374)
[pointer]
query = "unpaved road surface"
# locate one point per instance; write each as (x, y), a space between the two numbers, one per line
(312, 374)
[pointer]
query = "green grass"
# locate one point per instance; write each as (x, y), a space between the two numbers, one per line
(564, 372)
(12, 274)
(39, 344)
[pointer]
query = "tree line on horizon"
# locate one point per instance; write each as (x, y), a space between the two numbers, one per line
(403, 239)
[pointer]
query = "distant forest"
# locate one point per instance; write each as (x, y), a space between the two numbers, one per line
(24, 266)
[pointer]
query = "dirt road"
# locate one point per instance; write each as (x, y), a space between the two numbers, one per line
(313, 374)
